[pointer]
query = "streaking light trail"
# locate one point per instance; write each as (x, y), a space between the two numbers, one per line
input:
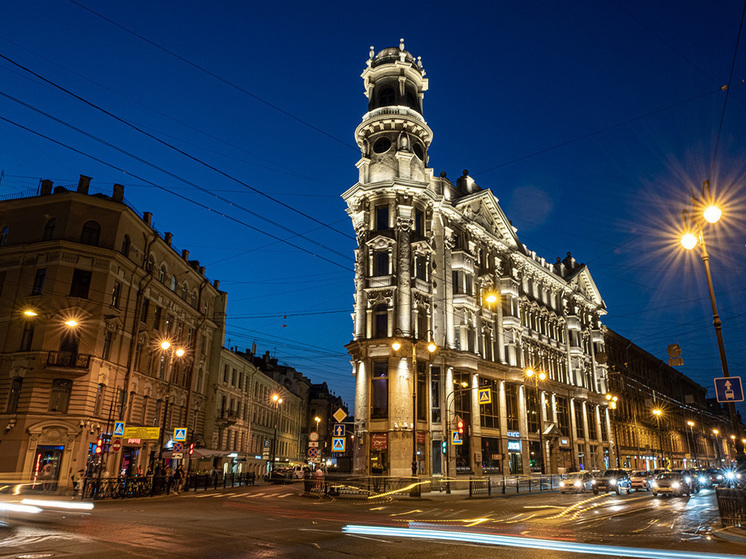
(535, 543)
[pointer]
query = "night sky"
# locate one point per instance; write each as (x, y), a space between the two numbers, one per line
(590, 121)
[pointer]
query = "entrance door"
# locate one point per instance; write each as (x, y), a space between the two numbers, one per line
(47, 467)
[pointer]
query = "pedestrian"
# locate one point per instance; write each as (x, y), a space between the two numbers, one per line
(169, 474)
(77, 479)
(139, 471)
(319, 477)
(178, 478)
(149, 472)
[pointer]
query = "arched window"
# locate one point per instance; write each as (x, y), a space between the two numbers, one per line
(412, 101)
(184, 291)
(49, 230)
(387, 96)
(173, 283)
(151, 263)
(162, 274)
(193, 299)
(126, 243)
(91, 233)
(4, 236)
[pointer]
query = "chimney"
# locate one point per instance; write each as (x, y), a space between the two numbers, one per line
(118, 193)
(46, 187)
(202, 271)
(83, 184)
(185, 254)
(266, 358)
(253, 348)
(147, 217)
(167, 237)
(216, 283)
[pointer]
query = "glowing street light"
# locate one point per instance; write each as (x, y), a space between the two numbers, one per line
(30, 312)
(277, 399)
(72, 323)
(531, 374)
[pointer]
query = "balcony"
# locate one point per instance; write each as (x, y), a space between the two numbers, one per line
(68, 360)
(226, 418)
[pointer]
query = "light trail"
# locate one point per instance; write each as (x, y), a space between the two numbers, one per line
(531, 543)
(57, 504)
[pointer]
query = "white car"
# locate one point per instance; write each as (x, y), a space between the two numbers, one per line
(577, 482)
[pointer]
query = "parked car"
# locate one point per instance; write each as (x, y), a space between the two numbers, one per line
(671, 483)
(281, 475)
(690, 478)
(577, 482)
(641, 480)
(612, 480)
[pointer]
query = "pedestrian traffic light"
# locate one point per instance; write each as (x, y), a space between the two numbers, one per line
(444, 447)
(99, 445)
(191, 449)
(460, 426)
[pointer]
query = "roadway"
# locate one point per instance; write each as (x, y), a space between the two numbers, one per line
(277, 521)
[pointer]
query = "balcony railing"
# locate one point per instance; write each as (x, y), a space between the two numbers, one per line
(68, 359)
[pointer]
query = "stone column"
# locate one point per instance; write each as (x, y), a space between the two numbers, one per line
(476, 427)
(362, 421)
(504, 428)
(360, 303)
(523, 429)
(403, 271)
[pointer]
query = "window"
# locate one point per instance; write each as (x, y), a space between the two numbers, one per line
(490, 413)
(225, 374)
(381, 321)
(157, 318)
(193, 300)
(387, 96)
(381, 263)
(579, 431)
(60, 398)
(115, 294)
(379, 400)
(38, 286)
(81, 284)
(144, 310)
(173, 283)
(382, 218)
(422, 403)
(420, 267)
(49, 230)
(162, 274)
(90, 234)
(4, 236)
(15, 394)
(69, 342)
(511, 406)
(592, 423)
(107, 345)
(27, 336)
(563, 415)
(532, 410)
(99, 404)
(126, 244)
(419, 222)
(435, 394)
(184, 291)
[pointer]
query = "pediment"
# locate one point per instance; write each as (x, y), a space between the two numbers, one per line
(380, 242)
(583, 282)
(482, 209)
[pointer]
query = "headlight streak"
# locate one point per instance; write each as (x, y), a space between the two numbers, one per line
(575, 506)
(13, 507)
(530, 543)
(396, 491)
(57, 504)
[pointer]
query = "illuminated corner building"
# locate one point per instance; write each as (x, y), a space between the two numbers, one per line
(68, 255)
(430, 252)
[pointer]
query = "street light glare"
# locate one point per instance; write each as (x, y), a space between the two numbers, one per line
(657, 412)
(275, 397)
(396, 345)
(165, 344)
(688, 241)
(529, 373)
(180, 352)
(712, 214)
(542, 375)
(72, 323)
(491, 298)
(30, 312)
(431, 347)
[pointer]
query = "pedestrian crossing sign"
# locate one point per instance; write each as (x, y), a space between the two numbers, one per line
(180, 434)
(485, 396)
(338, 444)
(119, 428)
(456, 438)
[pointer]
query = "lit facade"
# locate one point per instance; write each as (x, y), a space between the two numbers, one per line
(430, 252)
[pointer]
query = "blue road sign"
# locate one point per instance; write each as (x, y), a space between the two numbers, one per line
(485, 396)
(729, 389)
(180, 434)
(119, 428)
(178, 447)
(338, 445)
(339, 430)
(456, 438)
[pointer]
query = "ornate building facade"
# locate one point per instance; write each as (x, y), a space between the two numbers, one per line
(440, 262)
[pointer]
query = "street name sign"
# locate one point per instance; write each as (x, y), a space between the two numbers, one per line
(338, 444)
(119, 428)
(180, 434)
(339, 430)
(729, 389)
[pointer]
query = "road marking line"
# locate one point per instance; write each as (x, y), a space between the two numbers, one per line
(403, 513)
(283, 496)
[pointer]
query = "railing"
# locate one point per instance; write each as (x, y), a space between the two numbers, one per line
(368, 486)
(732, 506)
(68, 359)
(493, 485)
(149, 486)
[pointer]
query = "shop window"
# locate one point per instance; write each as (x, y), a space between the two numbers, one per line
(60, 397)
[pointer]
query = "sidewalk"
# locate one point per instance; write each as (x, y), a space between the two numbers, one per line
(730, 533)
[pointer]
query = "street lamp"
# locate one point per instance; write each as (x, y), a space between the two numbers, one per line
(531, 375)
(431, 347)
(717, 447)
(704, 211)
(276, 400)
(167, 347)
(657, 413)
(612, 406)
(694, 441)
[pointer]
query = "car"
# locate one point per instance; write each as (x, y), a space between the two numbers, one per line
(612, 480)
(690, 477)
(641, 480)
(281, 475)
(714, 477)
(671, 483)
(577, 482)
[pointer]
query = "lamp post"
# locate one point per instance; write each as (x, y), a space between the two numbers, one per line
(317, 419)
(536, 378)
(431, 347)
(167, 347)
(612, 406)
(464, 387)
(694, 441)
(657, 413)
(705, 211)
(276, 400)
(717, 448)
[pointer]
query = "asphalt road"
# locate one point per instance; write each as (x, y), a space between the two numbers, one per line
(276, 521)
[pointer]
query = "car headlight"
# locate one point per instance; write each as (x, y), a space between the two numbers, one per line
(593, 482)
(730, 475)
(702, 480)
(577, 484)
(688, 479)
(719, 476)
(612, 482)
(675, 485)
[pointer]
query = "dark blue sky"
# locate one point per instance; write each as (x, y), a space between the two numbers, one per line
(590, 121)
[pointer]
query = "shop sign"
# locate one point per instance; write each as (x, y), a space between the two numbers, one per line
(379, 441)
(564, 442)
(513, 434)
(514, 446)
(420, 437)
(134, 441)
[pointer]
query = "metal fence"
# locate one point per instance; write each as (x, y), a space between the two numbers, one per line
(150, 486)
(367, 486)
(500, 485)
(732, 505)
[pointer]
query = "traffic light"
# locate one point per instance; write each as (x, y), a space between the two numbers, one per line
(444, 447)
(460, 426)
(191, 449)
(99, 445)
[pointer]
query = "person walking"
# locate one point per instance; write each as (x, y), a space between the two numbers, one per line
(178, 478)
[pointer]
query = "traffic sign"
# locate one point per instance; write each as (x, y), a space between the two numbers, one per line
(147, 433)
(119, 428)
(339, 430)
(177, 455)
(313, 444)
(116, 445)
(178, 447)
(313, 452)
(180, 434)
(456, 438)
(266, 443)
(338, 444)
(729, 389)
(339, 415)
(485, 396)
(313, 436)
